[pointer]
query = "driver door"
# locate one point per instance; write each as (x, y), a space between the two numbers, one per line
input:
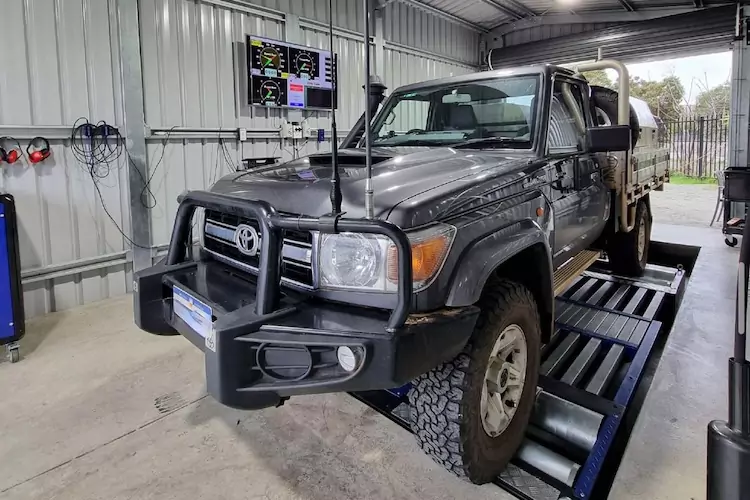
(579, 198)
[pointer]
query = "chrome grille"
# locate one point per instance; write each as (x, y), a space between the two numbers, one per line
(297, 252)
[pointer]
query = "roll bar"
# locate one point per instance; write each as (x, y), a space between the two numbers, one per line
(271, 226)
(627, 214)
(623, 101)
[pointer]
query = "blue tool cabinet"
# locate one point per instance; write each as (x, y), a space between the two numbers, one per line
(11, 296)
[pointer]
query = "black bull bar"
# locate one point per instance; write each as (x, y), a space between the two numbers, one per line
(272, 224)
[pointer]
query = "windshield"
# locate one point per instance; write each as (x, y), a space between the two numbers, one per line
(501, 110)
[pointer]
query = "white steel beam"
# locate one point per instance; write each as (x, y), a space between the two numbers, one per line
(627, 5)
(739, 120)
(133, 114)
(503, 8)
(611, 16)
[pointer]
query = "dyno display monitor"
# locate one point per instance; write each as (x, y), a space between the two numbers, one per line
(286, 75)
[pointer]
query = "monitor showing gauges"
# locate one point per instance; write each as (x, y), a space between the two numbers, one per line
(288, 75)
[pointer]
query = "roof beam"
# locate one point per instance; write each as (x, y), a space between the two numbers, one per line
(627, 5)
(589, 17)
(446, 15)
(504, 9)
(520, 7)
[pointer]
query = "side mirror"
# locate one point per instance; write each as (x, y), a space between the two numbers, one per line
(611, 138)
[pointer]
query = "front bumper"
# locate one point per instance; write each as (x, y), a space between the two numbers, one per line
(255, 361)
(267, 344)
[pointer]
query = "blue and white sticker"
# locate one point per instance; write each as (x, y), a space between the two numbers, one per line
(195, 314)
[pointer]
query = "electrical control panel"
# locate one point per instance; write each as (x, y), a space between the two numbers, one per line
(297, 131)
(294, 130)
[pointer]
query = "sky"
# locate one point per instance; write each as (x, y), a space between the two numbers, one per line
(711, 69)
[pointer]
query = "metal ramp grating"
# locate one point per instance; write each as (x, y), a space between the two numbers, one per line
(605, 331)
(606, 328)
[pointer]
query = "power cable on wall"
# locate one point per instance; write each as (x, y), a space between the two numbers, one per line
(98, 147)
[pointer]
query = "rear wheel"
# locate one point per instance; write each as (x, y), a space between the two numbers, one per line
(470, 414)
(628, 252)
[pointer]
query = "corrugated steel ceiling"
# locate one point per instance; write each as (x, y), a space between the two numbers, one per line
(489, 14)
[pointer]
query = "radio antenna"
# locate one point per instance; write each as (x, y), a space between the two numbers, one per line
(369, 202)
(335, 179)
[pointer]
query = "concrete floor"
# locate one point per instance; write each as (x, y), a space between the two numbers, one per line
(666, 454)
(98, 409)
(684, 204)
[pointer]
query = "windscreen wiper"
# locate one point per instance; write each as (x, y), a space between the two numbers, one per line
(483, 141)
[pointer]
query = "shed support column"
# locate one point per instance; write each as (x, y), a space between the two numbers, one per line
(133, 105)
(740, 103)
(739, 123)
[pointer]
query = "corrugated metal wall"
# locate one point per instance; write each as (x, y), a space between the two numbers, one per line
(407, 25)
(61, 61)
(347, 14)
(189, 80)
(57, 63)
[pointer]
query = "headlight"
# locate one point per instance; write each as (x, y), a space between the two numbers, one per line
(366, 262)
(352, 260)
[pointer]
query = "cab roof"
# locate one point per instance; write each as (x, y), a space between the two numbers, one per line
(545, 69)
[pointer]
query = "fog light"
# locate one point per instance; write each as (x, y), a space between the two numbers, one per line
(347, 358)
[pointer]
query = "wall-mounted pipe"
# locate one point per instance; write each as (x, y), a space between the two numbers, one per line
(73, 267)
(181, 133)
(28, 132)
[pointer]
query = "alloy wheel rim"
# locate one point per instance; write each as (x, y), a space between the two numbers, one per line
(504, 379)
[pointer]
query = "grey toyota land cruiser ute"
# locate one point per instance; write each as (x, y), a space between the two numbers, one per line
(484, 185)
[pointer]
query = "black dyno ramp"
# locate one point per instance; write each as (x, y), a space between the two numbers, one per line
(607, 327)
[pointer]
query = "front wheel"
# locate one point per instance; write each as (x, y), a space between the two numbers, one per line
(470, 414)
(628, 252)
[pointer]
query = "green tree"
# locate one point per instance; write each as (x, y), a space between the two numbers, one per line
(600, 78)
(715, 101)
(664, 97)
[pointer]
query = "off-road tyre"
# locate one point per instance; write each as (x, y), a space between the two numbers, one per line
(445, 402)
(606, 100)
(622, 248)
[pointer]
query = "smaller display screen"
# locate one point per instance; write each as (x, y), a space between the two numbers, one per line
(269, 91)
(317, 98)
(288, 75)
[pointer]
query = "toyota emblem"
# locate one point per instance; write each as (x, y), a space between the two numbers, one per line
(247, 240)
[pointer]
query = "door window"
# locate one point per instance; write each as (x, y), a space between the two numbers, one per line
(407, 115)
(567, 120)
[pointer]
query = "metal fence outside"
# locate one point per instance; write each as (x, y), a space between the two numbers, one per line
(697, 145)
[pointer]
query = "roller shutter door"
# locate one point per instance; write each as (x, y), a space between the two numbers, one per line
(710, 30)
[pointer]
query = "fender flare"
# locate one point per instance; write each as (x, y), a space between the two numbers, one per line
(487, 254)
